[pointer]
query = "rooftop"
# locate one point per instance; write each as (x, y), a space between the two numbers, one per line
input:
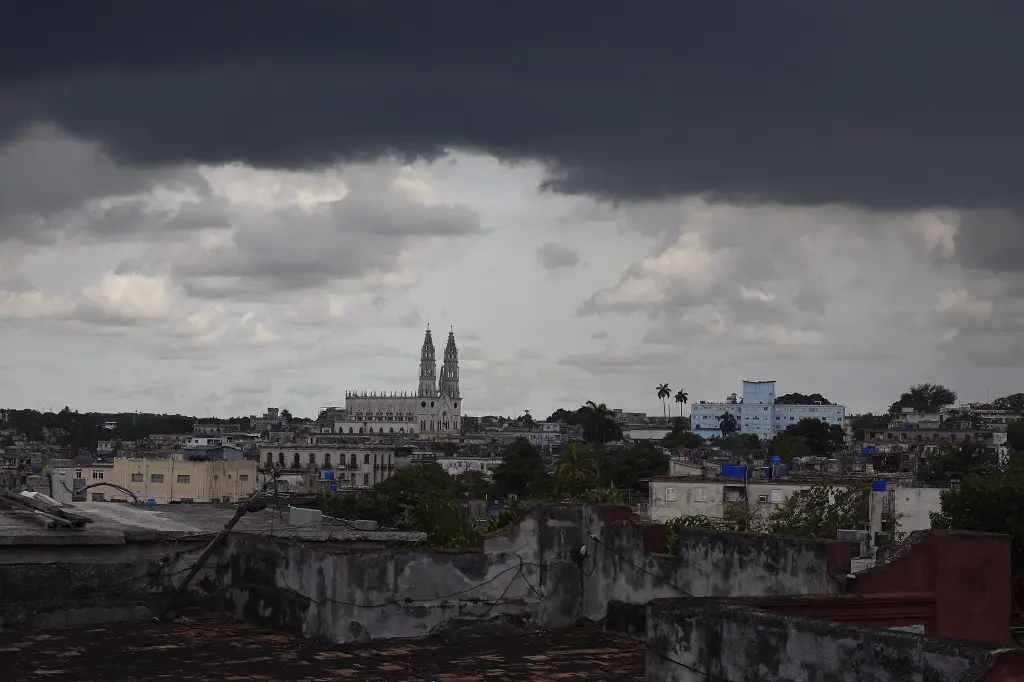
(115, 523)
(205, 648)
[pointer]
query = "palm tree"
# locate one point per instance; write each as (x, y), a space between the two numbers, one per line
(599, 421)
(727, 423)
(663, 392)
(574, 466)
(681, 397)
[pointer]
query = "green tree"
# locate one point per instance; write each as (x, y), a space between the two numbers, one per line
(787, 447)
(869, 422)
(820, 438)
(599, 425)
(286, 415)
(955, 461)
(575, 469)
(801, 399)
(928, 398)
(821, 512)
(736, 442)
(727, 424)
(1012, 403)
(991, 501)
(625, 468)
(521, 471)
(664, 392)
(680, 436)
(682, 397)
(527, 420)
(1015, 436)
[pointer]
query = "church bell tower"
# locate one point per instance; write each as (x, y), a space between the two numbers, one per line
(428, 366)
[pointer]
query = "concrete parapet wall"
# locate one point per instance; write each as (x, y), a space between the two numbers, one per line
(700, 639)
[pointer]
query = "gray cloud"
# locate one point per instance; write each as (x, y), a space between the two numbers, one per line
(805, 103)
(552, 256)
(296, 248)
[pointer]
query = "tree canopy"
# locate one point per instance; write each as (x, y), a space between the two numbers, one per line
(801, 399)
(954, 462)
(1014, 403)
(521, 471)
(821, 439)
(596, 419)
(927, 398)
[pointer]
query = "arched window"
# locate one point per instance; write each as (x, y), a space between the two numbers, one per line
(350, 430)
(295, 459)
(312, 458)
(360, 429)
(352, 461)
(327, 459)
(280, 458)
(401, 429)
(381, 430)
(423, 425)
(270, 458)
(391, 430)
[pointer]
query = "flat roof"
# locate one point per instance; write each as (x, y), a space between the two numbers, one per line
(214, 647)
(116, 523)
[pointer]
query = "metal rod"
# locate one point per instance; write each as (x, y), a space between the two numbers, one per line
(254, 505)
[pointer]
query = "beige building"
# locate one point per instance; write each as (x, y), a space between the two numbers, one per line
(671, 498)
(168, 480)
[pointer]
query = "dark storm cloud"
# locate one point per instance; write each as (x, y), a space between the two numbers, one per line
(879, 103)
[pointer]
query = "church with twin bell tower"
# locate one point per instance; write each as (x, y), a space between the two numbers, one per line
(433, 409)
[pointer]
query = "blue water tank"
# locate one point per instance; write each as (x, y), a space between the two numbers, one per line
(333, 487)
(151, 501)
(328, 475)
(878, 485)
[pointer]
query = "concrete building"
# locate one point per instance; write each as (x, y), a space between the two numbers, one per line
(201, 429)
(455, 466)
(757, 413)
(159, 480)
(349, 466)
(672, 498)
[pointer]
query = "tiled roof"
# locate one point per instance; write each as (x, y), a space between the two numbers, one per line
(217, 648)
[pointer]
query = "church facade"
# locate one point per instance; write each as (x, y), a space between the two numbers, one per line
(433, 409)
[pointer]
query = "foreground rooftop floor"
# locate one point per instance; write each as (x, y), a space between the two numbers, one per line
(217, 648)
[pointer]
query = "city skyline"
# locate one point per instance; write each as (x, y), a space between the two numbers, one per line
(260, 224)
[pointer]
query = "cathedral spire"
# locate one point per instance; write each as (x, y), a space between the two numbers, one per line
(449, 384)
(428, 365)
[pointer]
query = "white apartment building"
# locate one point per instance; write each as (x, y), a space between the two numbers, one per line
(347, 467)
(758, 414)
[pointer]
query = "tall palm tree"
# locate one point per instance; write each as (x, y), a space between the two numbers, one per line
(663, 392)
(682, 397)
(600, 419)
(727, 423)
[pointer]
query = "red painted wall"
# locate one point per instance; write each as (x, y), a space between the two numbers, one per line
(956, 584)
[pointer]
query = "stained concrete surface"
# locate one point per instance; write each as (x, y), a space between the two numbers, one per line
(216, 648)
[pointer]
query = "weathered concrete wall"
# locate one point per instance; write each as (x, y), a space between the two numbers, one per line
(44, 587)
(627, 564)
(914, 505)
(693, 639)
(521, 578)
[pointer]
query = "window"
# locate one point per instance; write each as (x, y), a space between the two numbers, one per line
(366, 458)
(78, 473)
(350, 429)
(184, 478)
(366, 479)
(138, 478)
(700, 495)
(97, 497)
(96, 473)
(327, 459)
(670, 494)
(156, 478)
(776, 496)
(243, 477)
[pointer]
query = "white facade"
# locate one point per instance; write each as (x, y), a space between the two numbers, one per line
(353, 467)
(673, 498)
(464, 465)
(434, 408)
(758, 414)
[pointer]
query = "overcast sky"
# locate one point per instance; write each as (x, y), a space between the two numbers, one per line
(210, 211)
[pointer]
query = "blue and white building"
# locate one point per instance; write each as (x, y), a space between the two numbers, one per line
(757, 413)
